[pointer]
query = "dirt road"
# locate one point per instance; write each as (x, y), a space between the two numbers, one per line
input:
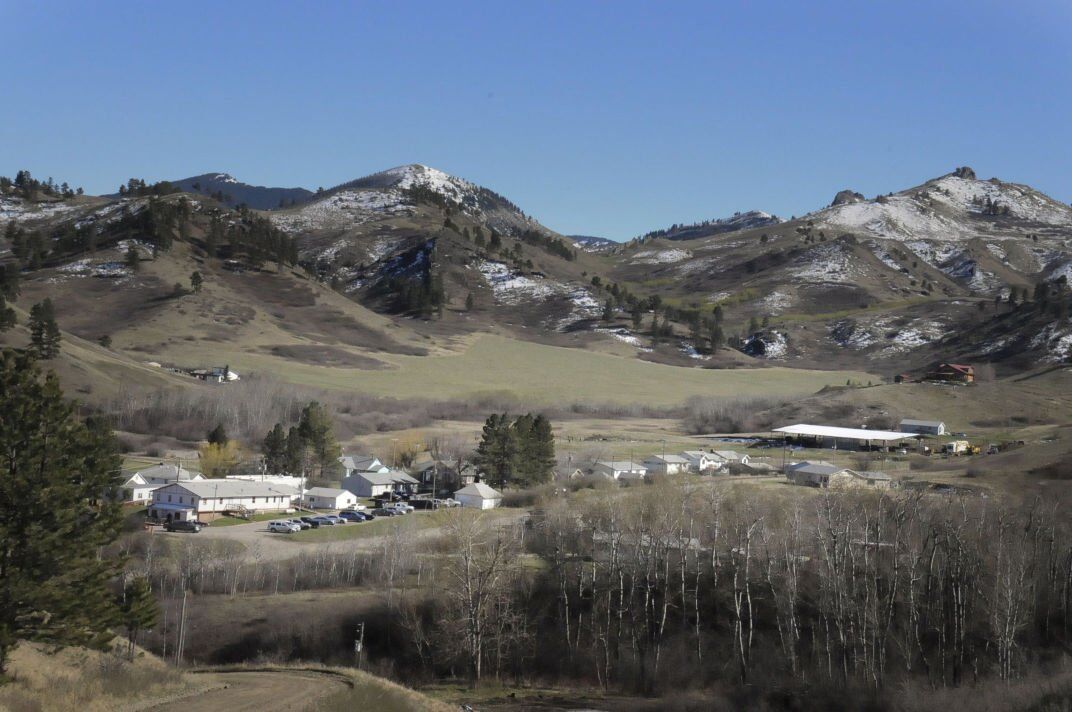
(258, 692)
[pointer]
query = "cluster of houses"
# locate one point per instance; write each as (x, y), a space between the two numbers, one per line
(694, 461)
(175, 493)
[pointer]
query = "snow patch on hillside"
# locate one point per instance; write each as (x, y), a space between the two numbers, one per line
(776, 302)
(17, 209)
(513, 288)
(656, 257)
(342, 209)
(826, 263)
(92, 268)
(1056, 341)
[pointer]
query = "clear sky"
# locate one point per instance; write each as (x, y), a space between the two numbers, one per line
(600, 118)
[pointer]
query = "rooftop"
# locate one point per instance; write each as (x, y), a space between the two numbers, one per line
(479, 489)
(830, 431)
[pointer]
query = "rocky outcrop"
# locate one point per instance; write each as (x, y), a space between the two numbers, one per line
(847, 197)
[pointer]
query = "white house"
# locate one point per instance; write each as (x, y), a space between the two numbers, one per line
(206, 499)
(362, 463)
(140, 485)
(166, 473)
(478, 496)
(136, 489)
(666, 464)
(216, 374)
(288, 480)
(700, 461)
(373, 484)
(615, 469)
(328, 498)
(922, 427)
(730, 457)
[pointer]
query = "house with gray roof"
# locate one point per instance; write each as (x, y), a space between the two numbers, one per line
(206, 499)
(666, 464)
(374, 484)
(362, 463)
(922, 427)
(616, 469)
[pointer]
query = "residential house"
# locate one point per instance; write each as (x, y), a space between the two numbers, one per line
(835, 477)
(215, 374)
(442, 476)
(951, 373)
(615, 469)
(922, 427)
(166, 473)
(374, 484)
(729, 457)
(812, 474)
(206, 499)
(478, 496)
(140, 485)
(854, 478)
(362, 463)
(666, 464)
(136, 489)
(700, 461)
(328, 498)
(294, 481)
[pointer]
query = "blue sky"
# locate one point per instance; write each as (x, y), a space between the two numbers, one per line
(597, 118)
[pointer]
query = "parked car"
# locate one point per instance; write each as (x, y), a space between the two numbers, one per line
(335, 518)
(356, 508)
(324, 521)
(181, 526)
(385, 512)
(300, 523)
(404, 506)
(351, 516)
(449, 502)
(369, 516)
(283, 527)
(311, 521)
(424, 503)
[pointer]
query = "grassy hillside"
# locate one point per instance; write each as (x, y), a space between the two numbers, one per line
(542, 373)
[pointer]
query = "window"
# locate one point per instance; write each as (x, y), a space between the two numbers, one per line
(169, 498)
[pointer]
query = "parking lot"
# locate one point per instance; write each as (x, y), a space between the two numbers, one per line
(262, 545)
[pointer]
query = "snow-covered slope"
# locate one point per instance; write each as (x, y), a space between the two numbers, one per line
(398, 191)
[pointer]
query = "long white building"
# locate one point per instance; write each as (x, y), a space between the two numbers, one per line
(207, 499)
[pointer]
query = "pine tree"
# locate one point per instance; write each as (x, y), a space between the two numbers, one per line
(218, 435)
(318, 435)
(294, 460)
(138, 610)
(44, 332)
(56, 469)
(196, 281)
(496, 455)
(637, 316)
(274, 448)
(540, 451)
(7, 315)
(608, 311)
(132, 259)
(469, 302)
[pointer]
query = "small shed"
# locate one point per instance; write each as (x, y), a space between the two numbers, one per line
(478, 496)
(923, 427)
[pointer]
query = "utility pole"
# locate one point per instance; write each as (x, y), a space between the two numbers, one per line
(359, 642)
(181, 642)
